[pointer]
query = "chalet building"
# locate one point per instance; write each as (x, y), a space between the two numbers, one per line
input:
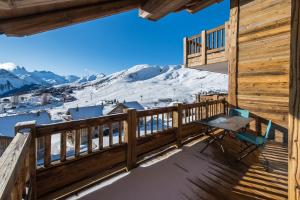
(261, 45)
(87, 112)
(7, 127)
(80, 113)
(119, 108)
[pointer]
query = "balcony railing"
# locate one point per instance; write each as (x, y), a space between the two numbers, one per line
(59, 155)
(208, 47)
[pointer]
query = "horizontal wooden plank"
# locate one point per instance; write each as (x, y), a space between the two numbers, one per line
(43, 130)
(155, 111)
(154, 141)
(11, 163)
(61, 175)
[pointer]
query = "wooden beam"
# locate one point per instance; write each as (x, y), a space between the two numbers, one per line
(294, 106)
(201, 5)
(233, 52)
(19, 8)
(32, 24)
(156, 9)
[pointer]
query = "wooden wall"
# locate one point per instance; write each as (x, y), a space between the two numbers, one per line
(263, 59)
(294, 109)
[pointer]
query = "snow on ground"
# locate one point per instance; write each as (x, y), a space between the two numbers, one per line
(147, 84)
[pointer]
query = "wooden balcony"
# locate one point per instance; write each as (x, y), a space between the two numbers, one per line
(208, 47)
(142, 138)
(188, 174)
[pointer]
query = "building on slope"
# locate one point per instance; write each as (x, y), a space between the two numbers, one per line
(119, 108)
(7, 127)
(81, 113)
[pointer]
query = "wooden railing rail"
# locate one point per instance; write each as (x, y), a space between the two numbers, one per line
(194, 44)
(205, 44)
(216, 38)
(154, 120)
(17, 165)
(72, 151)
(85, 136)
(202, 110)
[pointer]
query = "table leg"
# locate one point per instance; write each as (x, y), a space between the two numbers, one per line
(214, 139)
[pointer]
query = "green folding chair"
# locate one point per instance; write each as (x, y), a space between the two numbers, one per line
(239, 112)
(253, 142)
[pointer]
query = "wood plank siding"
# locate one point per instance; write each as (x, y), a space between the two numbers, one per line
(263, 59)
(294, 109)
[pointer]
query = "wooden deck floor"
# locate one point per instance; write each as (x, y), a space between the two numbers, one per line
(188, 174)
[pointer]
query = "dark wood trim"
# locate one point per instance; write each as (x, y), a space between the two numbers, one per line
(294, 102)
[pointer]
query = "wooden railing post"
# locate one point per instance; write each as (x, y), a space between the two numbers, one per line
(177, 117)
(185, 52)
(31, 126)
(198, 98)
(224, 106)
(227, 39)
(206, 109)
(203, 48)
(130, 138)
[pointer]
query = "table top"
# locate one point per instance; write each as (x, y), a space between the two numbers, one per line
(226, 122)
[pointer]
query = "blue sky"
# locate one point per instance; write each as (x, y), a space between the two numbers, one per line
(111, 44)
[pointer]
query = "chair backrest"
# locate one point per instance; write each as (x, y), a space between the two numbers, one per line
(268, 130)
(239, 112)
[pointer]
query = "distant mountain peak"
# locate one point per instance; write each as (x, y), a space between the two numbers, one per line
(9, 66)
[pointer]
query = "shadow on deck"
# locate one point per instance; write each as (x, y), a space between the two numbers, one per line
(188, 174)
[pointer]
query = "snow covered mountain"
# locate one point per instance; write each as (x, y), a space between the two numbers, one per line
(9, 81)
(89, 78)
(149, 84)
(14, 77)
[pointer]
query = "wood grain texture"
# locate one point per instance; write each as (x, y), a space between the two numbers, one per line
(233, 52)
(263, 61)
(208, 47)
(156, 9)
(294, 106)
(11, 165)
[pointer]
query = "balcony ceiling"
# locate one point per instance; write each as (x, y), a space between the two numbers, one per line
(27, 17)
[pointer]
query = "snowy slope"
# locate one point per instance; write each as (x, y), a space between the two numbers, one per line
(147, 84)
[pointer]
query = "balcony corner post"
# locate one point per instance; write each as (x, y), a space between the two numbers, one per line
(177, 115)
(31, 128)
(130, 138)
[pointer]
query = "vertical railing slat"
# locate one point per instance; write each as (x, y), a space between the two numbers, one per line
(100, 137)
(151, 124)
(77, 142)
(145, 125)
(110, 134)
(90, 140)
(47, 153)
(120, 130)
(63, 146)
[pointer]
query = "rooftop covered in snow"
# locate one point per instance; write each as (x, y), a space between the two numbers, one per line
(130, 104)
(7, 123)
(85, 112)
